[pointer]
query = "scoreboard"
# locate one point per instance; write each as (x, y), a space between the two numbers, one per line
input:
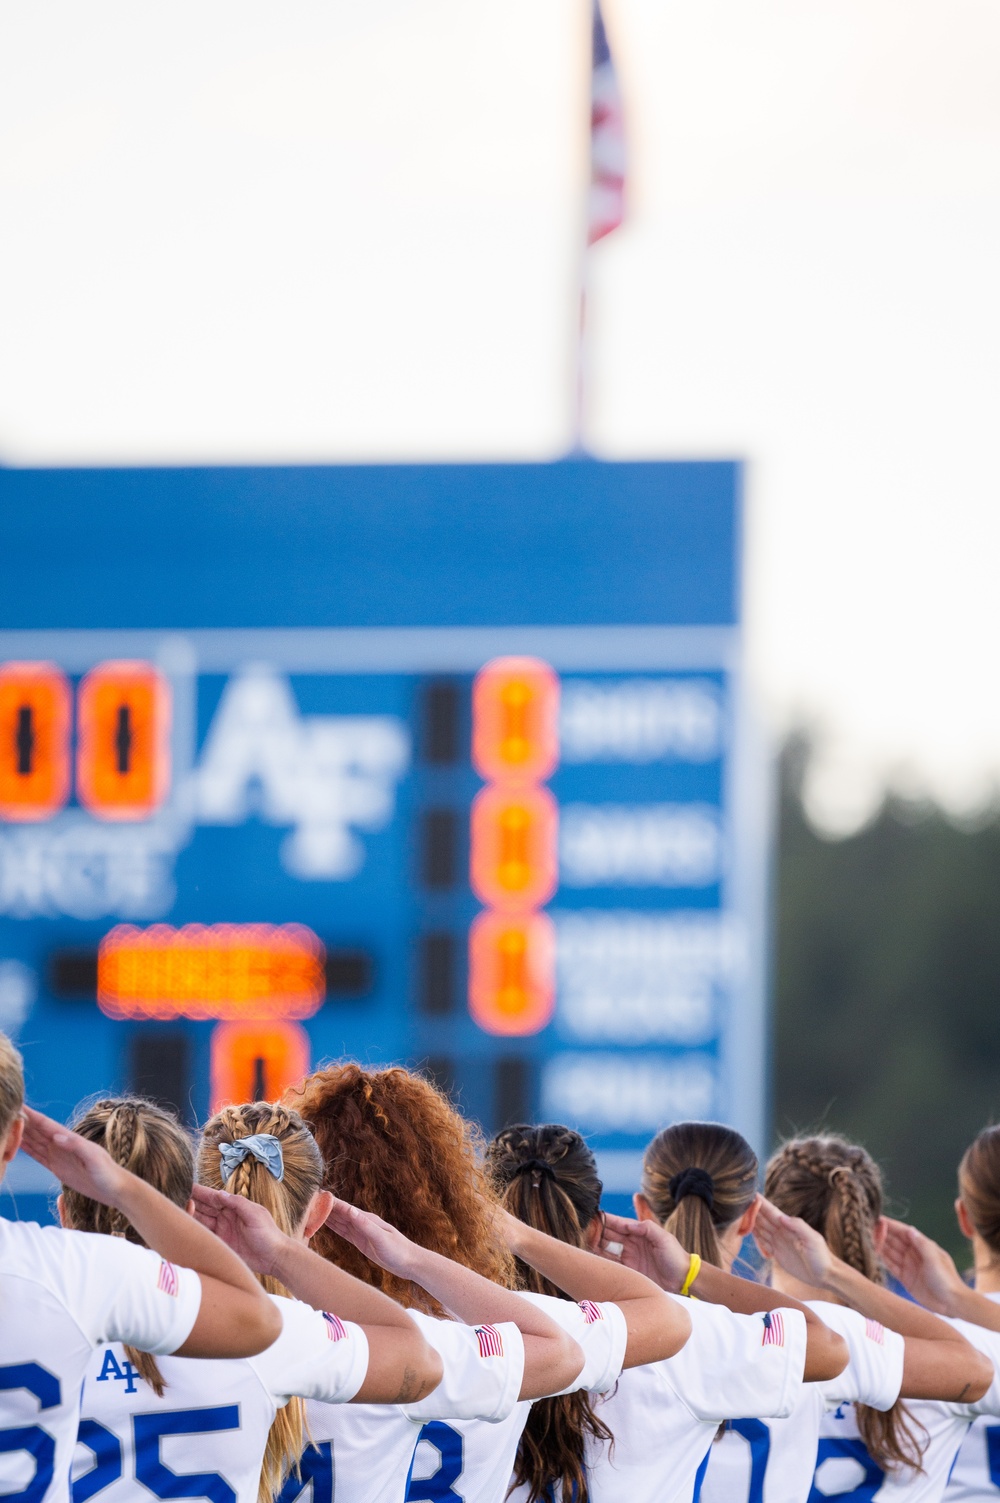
(445, 765)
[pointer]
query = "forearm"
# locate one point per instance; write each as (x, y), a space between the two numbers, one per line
(323, 1285)
(967, 1304)
(878, 1303)
(179, 1238)
(472, 1298)
(580, 1274)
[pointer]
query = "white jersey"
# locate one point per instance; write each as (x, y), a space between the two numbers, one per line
(460, 1441)
(205, 1437)
(664, 1416)
(975, 1477)
(845, 1471)
(61, 1295)
(773, 1460)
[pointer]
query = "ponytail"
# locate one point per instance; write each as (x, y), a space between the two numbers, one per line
(293, 1151)
(979, 1186)
(836, 1188)
(698, 1178)
(547, 1177)
(150, 1143)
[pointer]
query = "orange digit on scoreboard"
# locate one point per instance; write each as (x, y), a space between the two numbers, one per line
(513, 860)
(515, 720)
(34, 740)
(123, 751)
(256, 1061)
(511, 972)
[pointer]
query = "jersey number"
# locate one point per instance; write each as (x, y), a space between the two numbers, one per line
(993, 1453)
(315, 1468)
(148, 1430)
(870, 1482)
(758, 1438)
(38, 1443)
(439, 1487)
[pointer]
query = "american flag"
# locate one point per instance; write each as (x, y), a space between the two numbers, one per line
(591, 1312)
(875, 1332)
(335, 1328)
(168, 1282)
(774, 1329)
(607, 140)
(490, 1341)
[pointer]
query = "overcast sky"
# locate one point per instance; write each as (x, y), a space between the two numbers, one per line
(349, 229)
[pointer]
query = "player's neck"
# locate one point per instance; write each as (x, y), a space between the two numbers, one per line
(784, 1283)
(986, 1267)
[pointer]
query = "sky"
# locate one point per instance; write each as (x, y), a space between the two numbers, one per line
(335, 231)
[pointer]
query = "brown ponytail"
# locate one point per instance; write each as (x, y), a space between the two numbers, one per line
(836, 1188)
(288, 1201)
(979, 1186)
(698, 1178)
(547, 1177)
(150, 1143)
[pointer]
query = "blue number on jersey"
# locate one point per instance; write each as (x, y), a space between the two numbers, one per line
(866, 1488)
(439, 1487)
(107, 1468)
(38, 1443)
(993, 1453)
(149, 1430)
(315, 1467)
(758, 1437)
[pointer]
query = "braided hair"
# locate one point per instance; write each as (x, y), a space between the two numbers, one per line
(287, 1201)
(836, 1188)
(547, 1177)
(698, 1178)
(151, 1143)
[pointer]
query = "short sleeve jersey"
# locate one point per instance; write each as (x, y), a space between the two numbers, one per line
(665, 1415)
(364, 1453)
(843, 1466)
(206, 1436)
(63, 1294)
(975, 1477)
(773, 1460)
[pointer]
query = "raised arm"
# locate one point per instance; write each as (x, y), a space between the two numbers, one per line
(552, 1359)
(402, 1366)
(657, 1327)
(235, 1318)
(929, 1273)
(938, 1363)
(647, 1246)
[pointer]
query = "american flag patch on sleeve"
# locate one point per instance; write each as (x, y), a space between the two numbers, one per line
(490, 1341)
(335, 1328)
(591, 1312)
(774, 1329)
(168, 1282)
(875, 1332)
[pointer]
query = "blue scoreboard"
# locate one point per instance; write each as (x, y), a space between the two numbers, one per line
(447, 765)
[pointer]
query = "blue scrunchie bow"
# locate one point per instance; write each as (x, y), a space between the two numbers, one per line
(265, 1148)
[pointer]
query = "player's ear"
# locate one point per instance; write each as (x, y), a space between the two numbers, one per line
(61, 1209)
(749, 1218)
(964, 1219)
(12, 1142)
(643, 1210)
(879, 1234)
(190, 1208)
(317, 1211)
(593, 1233)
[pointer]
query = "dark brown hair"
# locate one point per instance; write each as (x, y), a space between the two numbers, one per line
(288, 1201)
(548, 1179)
(698, 1178)
(151, 1143)
(836, 1188)
(394, 1145)
(979, 1186)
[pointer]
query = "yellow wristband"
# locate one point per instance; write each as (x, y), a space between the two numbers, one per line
(694, 1268)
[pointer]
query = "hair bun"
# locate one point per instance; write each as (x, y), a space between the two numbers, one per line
(693, 1181)
(536, 1168)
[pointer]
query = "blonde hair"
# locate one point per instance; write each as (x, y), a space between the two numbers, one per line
(698, 1178)
(151, 1144)
(11, 1083)
(836, 1188)
(288, 1201)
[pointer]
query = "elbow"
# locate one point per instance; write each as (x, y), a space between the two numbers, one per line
(826, 1355)
(258, 1326)
(567, 1361)
(424, 1368)
(979, 1376)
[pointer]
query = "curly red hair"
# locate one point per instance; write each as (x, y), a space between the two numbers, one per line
(393, 1144)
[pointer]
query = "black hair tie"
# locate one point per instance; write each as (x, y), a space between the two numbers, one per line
(536, 1167)
(693, 1181)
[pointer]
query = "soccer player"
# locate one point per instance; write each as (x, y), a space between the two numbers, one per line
(646, 1439)
(395, 1147)
(63, 1296)
(228, 1430)
(906, 1453)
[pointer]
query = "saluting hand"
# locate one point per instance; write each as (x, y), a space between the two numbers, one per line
(377, 1239)
(242, 1225)
(799, 1249)
(922, 1267)
(77, 1163)
(646, 1247)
